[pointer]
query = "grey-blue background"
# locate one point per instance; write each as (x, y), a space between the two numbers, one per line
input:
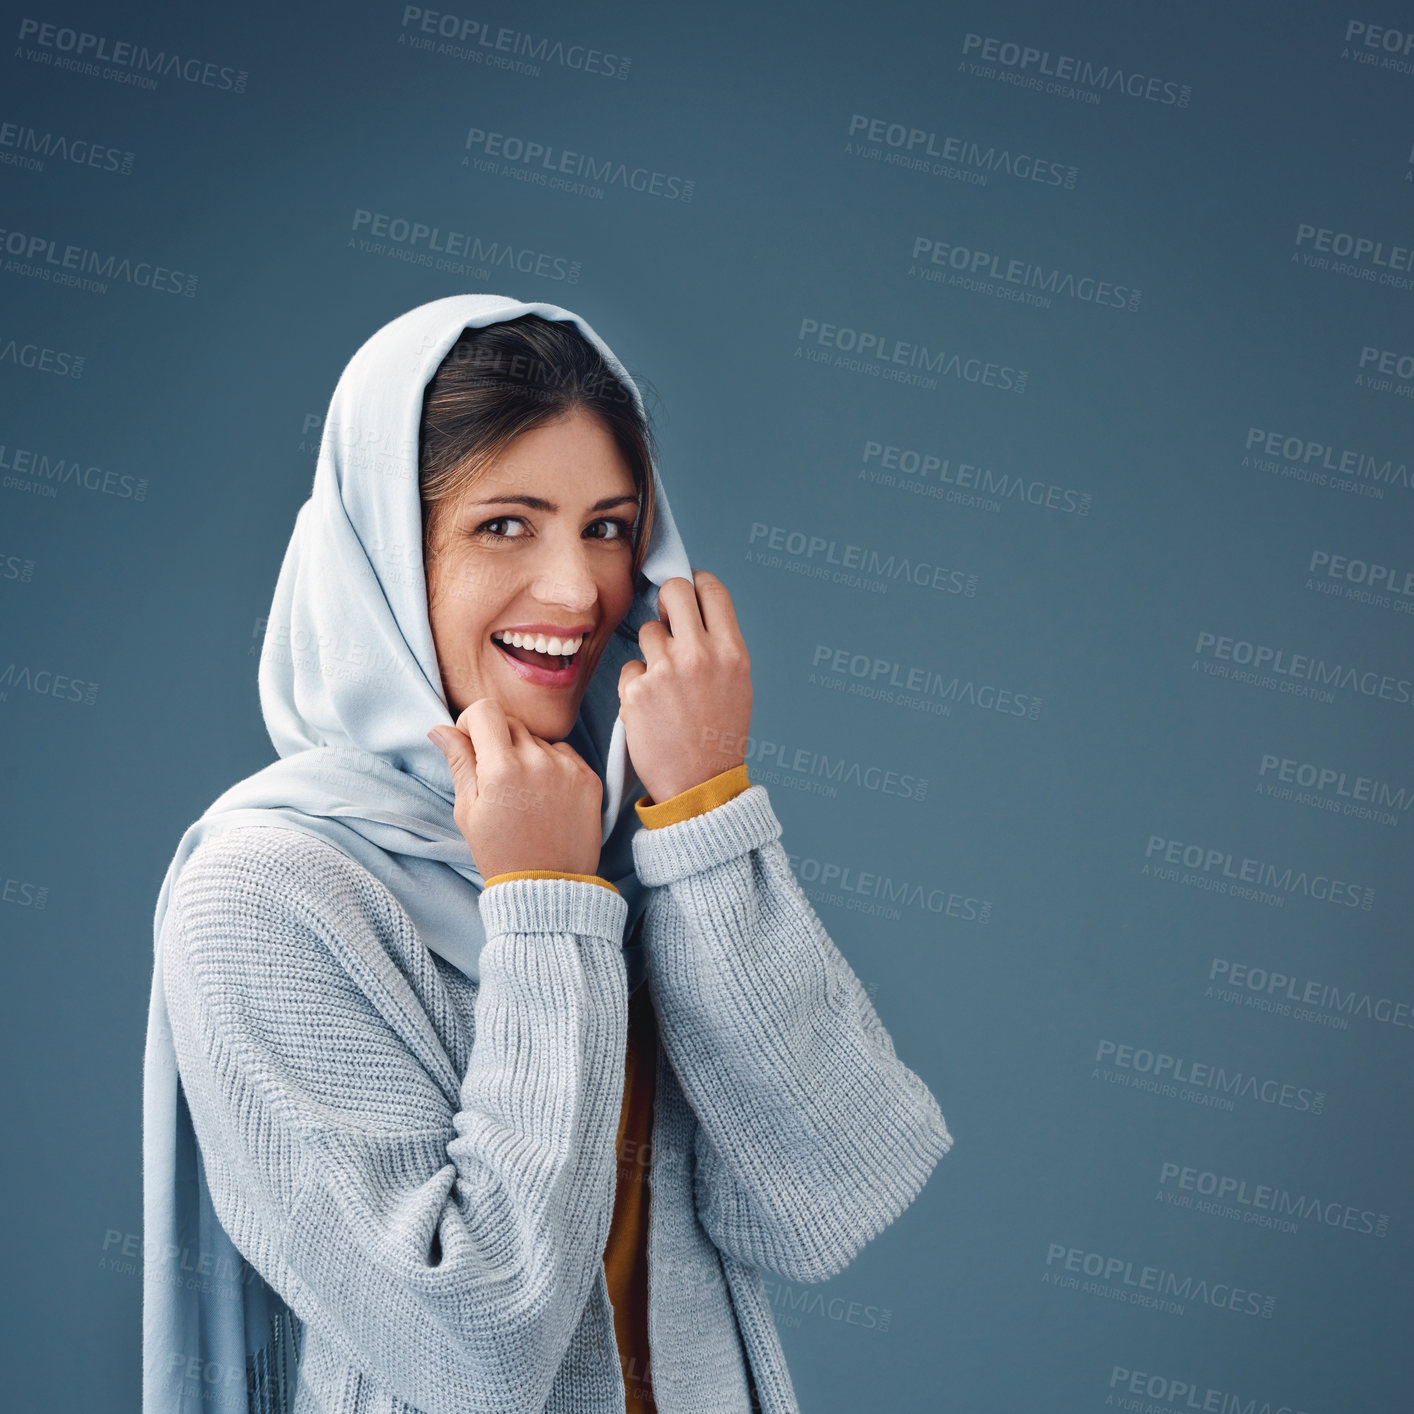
(1015, 920)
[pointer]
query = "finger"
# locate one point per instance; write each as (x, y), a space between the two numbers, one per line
(524, 742)
(531, 742)
(461, 757)
(630, 673)
(715, 603)
(654, 643)
(563, 748)
(485, 723)
(677, 605)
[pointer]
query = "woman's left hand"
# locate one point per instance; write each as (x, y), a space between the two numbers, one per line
(687, 707)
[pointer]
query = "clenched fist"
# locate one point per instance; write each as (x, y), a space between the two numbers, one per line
(521, 802)
(686, 708)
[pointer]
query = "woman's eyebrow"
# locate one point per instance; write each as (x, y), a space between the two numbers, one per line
(538, 503)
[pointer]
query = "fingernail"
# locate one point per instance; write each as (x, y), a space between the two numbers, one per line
(435, 738)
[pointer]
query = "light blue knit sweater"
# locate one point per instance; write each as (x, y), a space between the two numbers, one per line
(424, 1168)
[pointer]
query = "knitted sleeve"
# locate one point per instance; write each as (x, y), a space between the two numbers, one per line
(812, 1135)
(441, 1226)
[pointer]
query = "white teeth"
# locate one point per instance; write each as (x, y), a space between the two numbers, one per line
(563, 647)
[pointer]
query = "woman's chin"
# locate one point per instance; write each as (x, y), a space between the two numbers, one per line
(551, 721)
(549, 712)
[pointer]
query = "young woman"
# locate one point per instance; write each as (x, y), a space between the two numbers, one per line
(475, 1068)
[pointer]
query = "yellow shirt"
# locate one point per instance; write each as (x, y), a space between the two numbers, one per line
(626, 1252)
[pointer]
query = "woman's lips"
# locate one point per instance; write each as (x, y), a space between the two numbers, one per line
(541, 676)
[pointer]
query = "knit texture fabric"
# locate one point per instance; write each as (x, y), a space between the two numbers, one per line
(423, 1166)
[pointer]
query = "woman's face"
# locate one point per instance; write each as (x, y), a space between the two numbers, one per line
(542, 542)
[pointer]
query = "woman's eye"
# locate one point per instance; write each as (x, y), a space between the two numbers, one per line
(482, 529)
(625, 528)
(489, 529)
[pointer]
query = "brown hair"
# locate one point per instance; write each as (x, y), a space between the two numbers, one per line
(502, 380)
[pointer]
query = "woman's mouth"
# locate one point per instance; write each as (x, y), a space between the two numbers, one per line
(542, 667)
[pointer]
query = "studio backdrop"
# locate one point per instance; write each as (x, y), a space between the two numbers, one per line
(1040, 382)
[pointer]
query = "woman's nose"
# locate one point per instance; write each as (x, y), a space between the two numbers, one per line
(564, 579)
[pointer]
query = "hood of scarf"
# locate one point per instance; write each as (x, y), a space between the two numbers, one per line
(349, 682)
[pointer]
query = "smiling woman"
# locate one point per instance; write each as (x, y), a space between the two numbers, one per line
(538, 509)
(560, 560)
(537, 499)
(418, 1012)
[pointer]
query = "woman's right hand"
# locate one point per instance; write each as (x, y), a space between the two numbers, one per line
(521, 802)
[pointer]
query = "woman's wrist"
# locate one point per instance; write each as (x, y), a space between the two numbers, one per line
(546, 874)
(695, 800)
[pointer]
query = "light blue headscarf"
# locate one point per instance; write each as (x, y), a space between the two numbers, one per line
(349, 685)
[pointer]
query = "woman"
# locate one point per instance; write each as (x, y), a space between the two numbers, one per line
(410, 1009)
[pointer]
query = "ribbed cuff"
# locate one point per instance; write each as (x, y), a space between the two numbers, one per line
(661, 856)
(554, 905)
(695, 800)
